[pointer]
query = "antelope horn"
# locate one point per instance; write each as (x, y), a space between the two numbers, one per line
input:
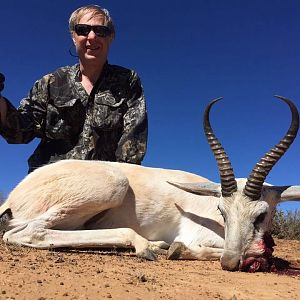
(228, 182)
(261, 170)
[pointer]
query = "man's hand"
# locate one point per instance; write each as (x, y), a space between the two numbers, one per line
(3, 110)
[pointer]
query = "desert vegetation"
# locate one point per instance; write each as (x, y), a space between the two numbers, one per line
(286, 224)
(1, 198)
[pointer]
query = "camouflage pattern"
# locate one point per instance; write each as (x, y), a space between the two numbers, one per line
(109, 124)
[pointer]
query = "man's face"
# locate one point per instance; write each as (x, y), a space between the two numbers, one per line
(92, 47)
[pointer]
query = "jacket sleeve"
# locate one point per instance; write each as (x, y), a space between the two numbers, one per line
(28, 121)
(133, 143)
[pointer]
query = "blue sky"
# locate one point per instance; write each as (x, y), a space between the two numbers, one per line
(186, 53)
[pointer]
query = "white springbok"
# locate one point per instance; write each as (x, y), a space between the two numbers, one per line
(83, 204)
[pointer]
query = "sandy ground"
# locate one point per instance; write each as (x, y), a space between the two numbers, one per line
(38, 274)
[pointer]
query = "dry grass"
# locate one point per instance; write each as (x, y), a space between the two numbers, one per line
(286, 225)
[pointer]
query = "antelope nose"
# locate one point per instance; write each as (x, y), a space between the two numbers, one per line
(230, 262)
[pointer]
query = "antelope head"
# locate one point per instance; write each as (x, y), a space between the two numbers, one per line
(248, 205)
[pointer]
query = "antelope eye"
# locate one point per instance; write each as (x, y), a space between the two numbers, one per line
(259, 220)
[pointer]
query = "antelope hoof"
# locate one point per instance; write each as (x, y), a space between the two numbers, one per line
(147, 254)
(176, 250)
(159, 247)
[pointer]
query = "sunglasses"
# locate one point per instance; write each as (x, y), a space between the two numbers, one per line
(99, 30)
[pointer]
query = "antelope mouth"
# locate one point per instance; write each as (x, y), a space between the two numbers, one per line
(267, 262)
(263, 262)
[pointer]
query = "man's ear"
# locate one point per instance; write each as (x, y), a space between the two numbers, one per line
(73, 38)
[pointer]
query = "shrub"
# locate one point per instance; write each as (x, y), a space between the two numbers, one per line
(286, 225)
(1, 198)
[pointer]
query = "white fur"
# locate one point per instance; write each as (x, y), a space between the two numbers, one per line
(76, 204)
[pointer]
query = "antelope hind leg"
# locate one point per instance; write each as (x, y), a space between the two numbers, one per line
(35, 235)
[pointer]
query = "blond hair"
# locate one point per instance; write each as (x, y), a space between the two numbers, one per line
(96, 10)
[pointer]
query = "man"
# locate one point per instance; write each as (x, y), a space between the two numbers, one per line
(91, 110)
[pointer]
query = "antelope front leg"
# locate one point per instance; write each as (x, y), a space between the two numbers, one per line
(178, 250)
(36, 236)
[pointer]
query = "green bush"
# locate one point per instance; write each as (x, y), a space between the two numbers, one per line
(286, 225)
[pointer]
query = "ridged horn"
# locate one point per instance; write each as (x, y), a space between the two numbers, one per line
(228, 182)
(261, 170)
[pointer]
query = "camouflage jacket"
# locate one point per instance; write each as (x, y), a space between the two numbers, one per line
(109, 124)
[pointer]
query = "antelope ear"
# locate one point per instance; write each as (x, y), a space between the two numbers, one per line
(291, 193)
(201, 188)
(287, 193)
